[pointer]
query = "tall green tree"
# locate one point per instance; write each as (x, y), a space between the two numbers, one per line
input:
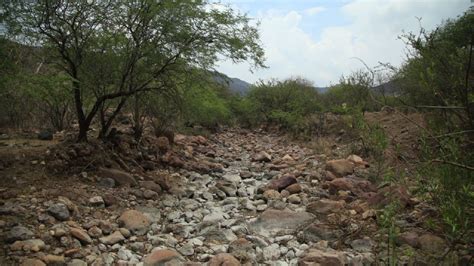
(113, 50)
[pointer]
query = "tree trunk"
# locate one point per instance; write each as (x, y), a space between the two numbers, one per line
(81, 118)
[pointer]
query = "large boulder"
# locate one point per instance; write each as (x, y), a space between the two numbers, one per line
(121, 177)
(134, 221)
(272, 222)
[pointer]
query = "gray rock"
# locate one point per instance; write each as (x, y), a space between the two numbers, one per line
(186, 250)
(107, 182)
(272, 222)
(18, 233)
(59, 211)
(97, 201)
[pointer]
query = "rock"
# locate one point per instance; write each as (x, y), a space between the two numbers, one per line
(340, 168)
(151, 185)
(223, 259)
(34, 245)
(233, 178)
(242, 249)
(294, 199)
(271, 253)
(97, 201)
(113, 238)
(77, 262)
(95, 232)
(53, 259)
(356, 185)
(324, 206)
(121, 177)
(262, 157)
(59, 211)
(216, 215)
(186, 250)
(282, 182)
(271, 194)
(320, 231)
(319, 257)
(273, 221)
(358, 161)
(369, 214)
(150, 194)
(363, 245)
(110, 200)
(134, 221)
(245, 174)
(107, 182)
(294, 188)
(160, 257)
(163, 144)
(18, 233)
(81, 235)
(410, 238)
(288, 158)
(32, 262)
(45, 135)
(431, 243)
(389, 194)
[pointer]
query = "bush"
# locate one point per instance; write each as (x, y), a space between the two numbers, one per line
(286, 104)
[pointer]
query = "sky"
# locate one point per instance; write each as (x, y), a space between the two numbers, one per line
(318, 39)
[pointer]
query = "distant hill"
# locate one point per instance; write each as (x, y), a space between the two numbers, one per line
(234, 84)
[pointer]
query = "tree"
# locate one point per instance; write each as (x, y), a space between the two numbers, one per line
(113, 50)
(439, 74)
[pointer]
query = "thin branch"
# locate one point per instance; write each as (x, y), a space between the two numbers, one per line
(470, 168)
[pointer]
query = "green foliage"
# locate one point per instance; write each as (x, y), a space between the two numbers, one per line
(203, 106)
(439, 70)
(450, 186)
(287, 104)
(113, 50)
(352, 94)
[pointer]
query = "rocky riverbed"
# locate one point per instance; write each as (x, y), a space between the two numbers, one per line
(249, 198)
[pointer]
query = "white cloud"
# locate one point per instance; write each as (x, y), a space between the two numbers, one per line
(314, 10)
(371, 35)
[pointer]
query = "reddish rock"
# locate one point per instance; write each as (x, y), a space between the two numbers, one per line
(110, 199)
(390, 194)
(162, 257)
(81, 235)
(340, 168)
(294, 188)
(282, 182)
(223, 259)
(271, 194)
(121, 177)
(329, 176)
(356, 185)
(319, 257)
